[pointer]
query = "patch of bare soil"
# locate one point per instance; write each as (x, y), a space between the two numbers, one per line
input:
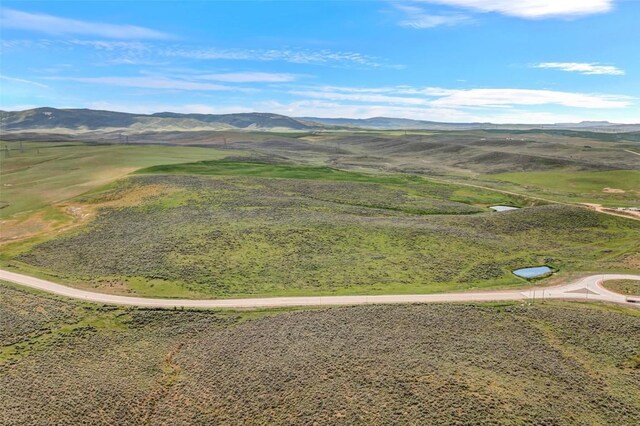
(75, 214)
(39, 224)
(630, 214)
(614, 191)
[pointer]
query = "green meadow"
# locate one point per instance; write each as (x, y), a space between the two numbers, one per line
(46, 173)
(611, 188)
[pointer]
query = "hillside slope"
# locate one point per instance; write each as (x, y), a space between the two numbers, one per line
(46, 119)
(87, 119)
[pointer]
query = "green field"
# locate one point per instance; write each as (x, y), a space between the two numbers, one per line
(47, 173)
(549, 363)
(613, 188)
(270, 170)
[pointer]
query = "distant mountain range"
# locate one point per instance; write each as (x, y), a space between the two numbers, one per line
(91, 120)
(79, 120)
(386, 123)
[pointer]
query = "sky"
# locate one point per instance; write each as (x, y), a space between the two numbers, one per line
(501, 61)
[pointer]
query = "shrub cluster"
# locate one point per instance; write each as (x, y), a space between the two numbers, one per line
(237, 235)
(409, 364)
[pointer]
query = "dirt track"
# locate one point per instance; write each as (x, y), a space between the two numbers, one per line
(587, 288)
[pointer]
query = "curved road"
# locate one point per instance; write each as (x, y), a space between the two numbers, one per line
(588, 288)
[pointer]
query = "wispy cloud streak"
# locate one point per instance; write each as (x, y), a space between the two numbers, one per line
(299, 56)
(419, 18)
(467, 98)
(22, 81)
(150, 82)
(124, 51)
(249, 77)
(582, 68)
(531, 9)
(49, 24)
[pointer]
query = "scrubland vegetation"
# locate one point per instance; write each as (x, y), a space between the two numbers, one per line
(302, 213)
(305, 214)
(628, 287)
(233, 235)
(417, 364)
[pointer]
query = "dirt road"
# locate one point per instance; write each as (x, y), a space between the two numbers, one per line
(533, 197)
(587, 288)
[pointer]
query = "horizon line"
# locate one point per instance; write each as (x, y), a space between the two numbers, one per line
(327, 118)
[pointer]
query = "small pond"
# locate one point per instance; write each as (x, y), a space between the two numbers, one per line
(503, 208)
(534, 272)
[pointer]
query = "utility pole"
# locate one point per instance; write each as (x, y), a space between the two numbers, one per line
(21, 148)
(586, 292)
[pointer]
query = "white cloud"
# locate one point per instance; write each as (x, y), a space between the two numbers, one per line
(467, 98)
(127, 51)
(149, 82)
(10, 18)
(315, 108)
(142, 108)
(582, 68)
(109, 45)
(509, 97)
(531, 9)
(195, 82)
(22, 81)
(249, 77)
(360, 97)
(18, 107)
(418, 18)
(298, 56)
(321, 108)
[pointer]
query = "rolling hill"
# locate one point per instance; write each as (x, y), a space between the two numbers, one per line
(388, 123)
(91, 120)
(78, 120)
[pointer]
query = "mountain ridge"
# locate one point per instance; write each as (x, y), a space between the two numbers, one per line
(83, 119)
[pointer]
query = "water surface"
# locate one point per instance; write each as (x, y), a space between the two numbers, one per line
(503, 208)
(533, 272)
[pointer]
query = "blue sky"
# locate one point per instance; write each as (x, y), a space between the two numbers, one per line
(528, 61)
